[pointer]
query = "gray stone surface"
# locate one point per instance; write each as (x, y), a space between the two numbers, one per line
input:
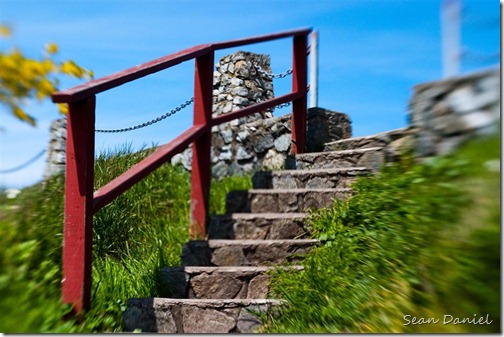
(316, 178)
(215, 285)
(237, 83)
(448, 113)
(381, 139)
(258, 141)
(229, 282)
(163, 315)
(249, 252)
(372, 158)
(200, 320)
(56, 148)
(258, 226)
(266, 143)
(198, 253)
(247, 322)
(394, 143)
(283, 201)
(230, 255)
(258, 287)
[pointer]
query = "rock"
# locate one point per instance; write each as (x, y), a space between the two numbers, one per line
(258, 286)
(228, 107)
(273, 160)
(243, 154)
(241, 101)
(240, 91)
(227, 135)
(263, 142)
(282, 143)
(220, 169)
(196, 253)
(242, 70)
(225, 153)
(229, 256)
(242, 136)
(215, 286)
(247, 322)
(197, 320)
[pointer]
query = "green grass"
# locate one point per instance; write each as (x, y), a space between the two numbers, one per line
(140, 232)
(417, 239)
(422, 240)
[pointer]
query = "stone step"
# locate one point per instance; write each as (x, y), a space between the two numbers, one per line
(283, 201)
(168, 315)
(258, 226)
(244, 252)
(372, 158)
(394, 143)
(236, 282)
(381, 139)
(315, 178)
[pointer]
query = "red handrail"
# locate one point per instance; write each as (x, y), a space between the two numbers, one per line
(81, 203)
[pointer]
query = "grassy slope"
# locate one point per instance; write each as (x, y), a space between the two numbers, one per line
(139, 233)
(410, 243)
(419, 240)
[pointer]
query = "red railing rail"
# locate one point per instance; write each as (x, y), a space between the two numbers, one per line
(80, 201)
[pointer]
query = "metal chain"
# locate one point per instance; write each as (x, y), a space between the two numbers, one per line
(189, 101)
(154, 121)
(271, 75)
(283, 105)
(25, 164)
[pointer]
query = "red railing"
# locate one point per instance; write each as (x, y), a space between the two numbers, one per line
(80, 201)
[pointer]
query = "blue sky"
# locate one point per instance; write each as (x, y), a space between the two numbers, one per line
(372, 52)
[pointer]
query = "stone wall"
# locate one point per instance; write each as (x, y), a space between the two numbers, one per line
(238, 83)
(56, 149)
(446, 113)
(258, 141)
(266, 144)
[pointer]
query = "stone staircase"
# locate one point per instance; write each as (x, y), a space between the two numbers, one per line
(223, 283)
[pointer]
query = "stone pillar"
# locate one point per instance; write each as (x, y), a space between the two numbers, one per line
(56, 149)
(258, 141)
(238, 83)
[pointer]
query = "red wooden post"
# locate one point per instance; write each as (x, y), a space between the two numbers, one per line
(78, 228)
(299, 69)
(200, 186)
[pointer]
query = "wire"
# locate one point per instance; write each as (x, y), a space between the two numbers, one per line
(22, 166)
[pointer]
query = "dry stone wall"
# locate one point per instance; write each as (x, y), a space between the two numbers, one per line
(266, 144)
(56, 149)
(238, 82)
(258, 141)
(447, 113)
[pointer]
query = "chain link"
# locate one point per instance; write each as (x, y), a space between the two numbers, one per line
(154, 121)
(283, 105)
(271, 75)
(189, 101)
(25, 164)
